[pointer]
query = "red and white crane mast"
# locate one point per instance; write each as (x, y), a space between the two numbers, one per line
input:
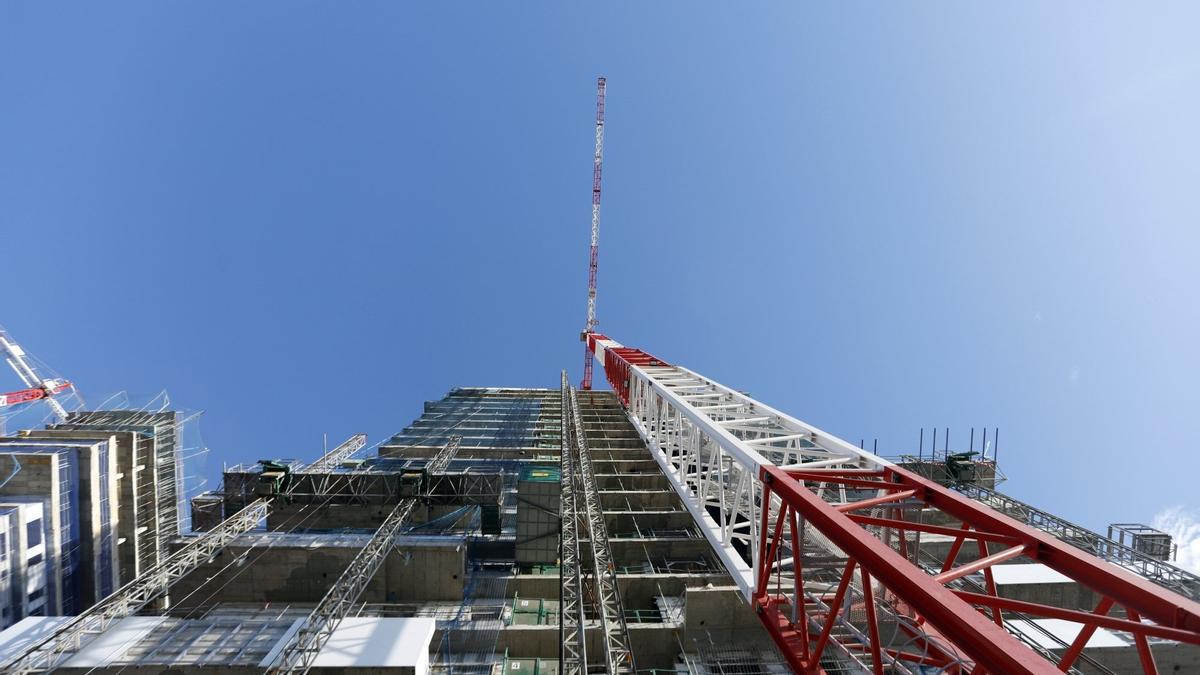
(590, 327)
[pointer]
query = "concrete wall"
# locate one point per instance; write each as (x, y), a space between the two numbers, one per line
(87, 444)
(304, 574)
(38, 478)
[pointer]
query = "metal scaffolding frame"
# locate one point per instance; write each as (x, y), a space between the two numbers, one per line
(302, 649)
(759, 482)
(618, 657)
(47, 653)
(572, 657)
(1159, 571)
(342, 452)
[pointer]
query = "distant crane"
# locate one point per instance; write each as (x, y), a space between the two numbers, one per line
(38, 387)
(590, 327)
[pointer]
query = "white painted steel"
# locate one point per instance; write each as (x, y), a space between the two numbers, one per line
(618, 656)
(15, 356)
(712, 442)
(595, 241)
(336, 456)
(572, 659)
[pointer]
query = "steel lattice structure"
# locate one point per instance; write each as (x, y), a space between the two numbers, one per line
(777, 485)
(49, 652)
(572, 619)
(335, 456)
(38, 386)
(618, 658)
(1160, 572)
(594, 251)
(304, 646)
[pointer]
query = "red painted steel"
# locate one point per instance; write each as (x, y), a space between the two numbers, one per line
(954, 614)
(617, 361)
(594, 251)
(34, 394)
(969, 624)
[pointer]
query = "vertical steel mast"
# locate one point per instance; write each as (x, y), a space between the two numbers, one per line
(590, 327)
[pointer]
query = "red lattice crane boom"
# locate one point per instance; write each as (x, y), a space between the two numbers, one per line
(822, 539)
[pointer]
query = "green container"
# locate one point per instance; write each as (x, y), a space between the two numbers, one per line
(530, 666)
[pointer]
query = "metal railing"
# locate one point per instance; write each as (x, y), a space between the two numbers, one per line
(1160, 572)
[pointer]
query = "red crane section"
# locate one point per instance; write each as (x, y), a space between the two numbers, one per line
(38, 387)
(824, 540)
(26, 395)
(590, 327)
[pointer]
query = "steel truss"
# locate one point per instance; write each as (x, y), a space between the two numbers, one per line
(302, 649)
(49, 652)
(38, 386)
(1160, 572)
(572, 658)
(337, 455)
(767, 488)
(618, 657)
(594, 249)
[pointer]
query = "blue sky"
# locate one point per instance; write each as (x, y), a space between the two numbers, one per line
(307, 218)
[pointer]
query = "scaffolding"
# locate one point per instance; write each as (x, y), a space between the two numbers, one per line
(618, 657)
(1107, 548)
(573, 653)
(46, 654)
(318, 627)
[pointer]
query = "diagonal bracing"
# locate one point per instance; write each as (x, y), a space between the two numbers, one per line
(617, 654)
(572, 658)
(302, 649)
(763, 486)
(48, 653)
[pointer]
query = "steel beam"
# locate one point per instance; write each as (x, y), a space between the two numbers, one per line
(742, 467)
(618, 657)
(335, 456)
(572, 655)
(306, 643)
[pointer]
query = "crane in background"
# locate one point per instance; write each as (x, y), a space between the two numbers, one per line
(590, 326)
(38, 387)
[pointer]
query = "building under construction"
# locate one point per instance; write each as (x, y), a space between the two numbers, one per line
(671, 525)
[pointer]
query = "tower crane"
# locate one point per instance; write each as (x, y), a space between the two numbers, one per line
(810, 526)
(37, 387)
(590, 326)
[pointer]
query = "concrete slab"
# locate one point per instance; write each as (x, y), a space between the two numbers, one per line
(365, 642)
(114, 642)
(1066, 631)
(1027, 573)
(25, 632)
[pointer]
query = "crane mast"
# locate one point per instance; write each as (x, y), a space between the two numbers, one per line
(590, 327)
